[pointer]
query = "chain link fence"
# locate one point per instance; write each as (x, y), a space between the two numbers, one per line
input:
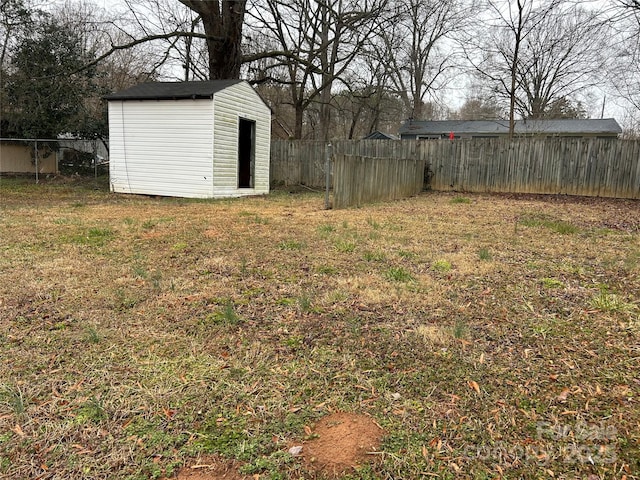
(60, 156)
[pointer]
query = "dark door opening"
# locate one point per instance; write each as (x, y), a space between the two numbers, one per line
(246, 153)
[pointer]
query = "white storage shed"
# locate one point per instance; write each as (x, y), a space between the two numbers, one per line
(189, 139)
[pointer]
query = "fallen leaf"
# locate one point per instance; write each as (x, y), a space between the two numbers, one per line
(436, 444)
(18, 430)
(563, 395)
(474, 385)
(169, 413)
(296, 450)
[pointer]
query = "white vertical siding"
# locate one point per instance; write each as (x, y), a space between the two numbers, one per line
(162, 147)
(231, 104)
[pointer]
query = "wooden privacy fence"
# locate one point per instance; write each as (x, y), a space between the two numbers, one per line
(601, 167)
(301, 162)
(574, 166)
(359, 180)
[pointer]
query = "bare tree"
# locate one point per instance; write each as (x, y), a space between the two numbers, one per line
(317, 42)
(367, 104)
(625, 74)
(479, 107)
(497, 56)
(222, 21)
(416, 50)
(565, 55)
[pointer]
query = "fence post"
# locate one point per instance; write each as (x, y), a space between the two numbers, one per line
(36, 155)
(327, 178)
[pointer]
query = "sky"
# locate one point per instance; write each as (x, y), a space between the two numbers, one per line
(457, 90)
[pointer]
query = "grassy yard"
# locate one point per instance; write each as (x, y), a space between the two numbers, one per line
(489, 336)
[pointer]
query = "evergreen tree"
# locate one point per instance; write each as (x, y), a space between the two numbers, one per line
(47, 90)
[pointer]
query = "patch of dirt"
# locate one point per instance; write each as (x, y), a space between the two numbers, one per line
(343, 441)
(211, 468)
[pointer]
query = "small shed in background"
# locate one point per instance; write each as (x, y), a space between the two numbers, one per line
(378, 135)
(189, 139)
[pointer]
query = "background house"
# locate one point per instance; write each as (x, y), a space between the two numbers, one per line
(18, 157)
(599, 128)
(190, 139)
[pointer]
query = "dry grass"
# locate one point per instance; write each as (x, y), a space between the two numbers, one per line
(496, 337)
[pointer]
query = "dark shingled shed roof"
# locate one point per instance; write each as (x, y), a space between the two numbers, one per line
(173, 90)
(378, 135)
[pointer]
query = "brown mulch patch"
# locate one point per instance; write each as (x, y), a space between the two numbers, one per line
(342, 442)
(211, 468)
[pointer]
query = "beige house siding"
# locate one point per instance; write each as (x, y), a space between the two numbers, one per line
(18, 159)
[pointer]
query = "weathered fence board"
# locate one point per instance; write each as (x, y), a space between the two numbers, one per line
(301, 162)
(360, 180)
(572, 166)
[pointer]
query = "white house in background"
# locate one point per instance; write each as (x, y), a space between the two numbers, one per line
(189, 139)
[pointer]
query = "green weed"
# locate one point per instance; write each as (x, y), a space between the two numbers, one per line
(484, 254)
(91, 411)
(552, 283)
(398, 274)
(94, 237)
(441, 266)
(543, 220)
(92, 335)
(226, 316)
(373, 223)
(327, 269)
(374, 256)
(610, 302)
(345, 246)
(460, 330)
(304, 303)
(325, 229)
(254, 218)
(291, 245)
(123, 301)
(13, 397)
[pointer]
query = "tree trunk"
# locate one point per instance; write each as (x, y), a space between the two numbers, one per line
(514, 70)
(222, 21)
(297, 129)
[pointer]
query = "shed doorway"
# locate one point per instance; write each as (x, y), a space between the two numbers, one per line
(246, 152)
